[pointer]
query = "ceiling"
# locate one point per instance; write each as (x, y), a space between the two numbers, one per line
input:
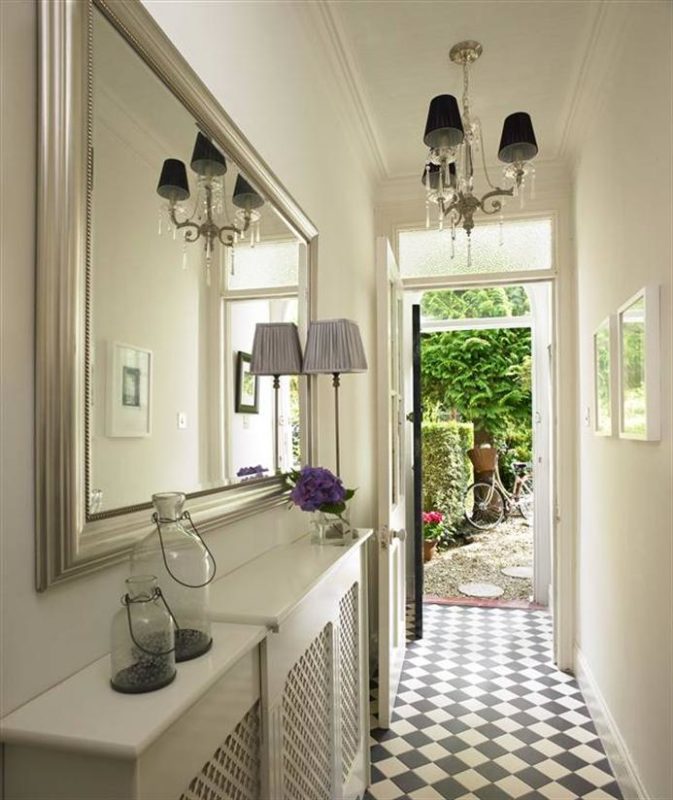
(398, 55)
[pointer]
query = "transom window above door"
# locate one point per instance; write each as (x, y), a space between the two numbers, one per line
(512, 246)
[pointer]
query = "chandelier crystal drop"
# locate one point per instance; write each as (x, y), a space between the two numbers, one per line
(209, 219)
(454, 140)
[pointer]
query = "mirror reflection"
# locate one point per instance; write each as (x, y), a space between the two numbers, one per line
(633, 368)
(602, 371)
(186, 257)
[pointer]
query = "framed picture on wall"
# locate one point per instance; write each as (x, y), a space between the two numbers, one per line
(639, 354)
(246, 386)
(128, 391)
(604, 373)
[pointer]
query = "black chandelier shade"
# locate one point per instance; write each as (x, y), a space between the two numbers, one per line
(517, 142)
(444, 127)
(173, 184)
(245, 196)
(431, 173)
(206, 158)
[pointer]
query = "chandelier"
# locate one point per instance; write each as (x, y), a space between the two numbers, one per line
(455, 139)
(209, 219)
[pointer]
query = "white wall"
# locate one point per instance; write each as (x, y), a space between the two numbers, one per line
(623, 217)
(270, 78)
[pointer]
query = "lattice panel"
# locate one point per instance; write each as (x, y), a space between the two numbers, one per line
(307, 723)
(349, 664)
(233, 772)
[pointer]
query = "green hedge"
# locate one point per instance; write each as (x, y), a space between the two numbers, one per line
(447, 471)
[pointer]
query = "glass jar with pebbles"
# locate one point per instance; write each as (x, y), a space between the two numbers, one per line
(184, 565)
(143, 639)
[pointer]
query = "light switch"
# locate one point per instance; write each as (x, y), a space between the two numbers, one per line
(182, 421)
(587, 416)
(246, 421)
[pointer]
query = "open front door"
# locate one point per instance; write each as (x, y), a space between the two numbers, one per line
(391, 507)
(417, 419)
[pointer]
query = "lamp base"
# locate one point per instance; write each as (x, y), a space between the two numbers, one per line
(465, 52)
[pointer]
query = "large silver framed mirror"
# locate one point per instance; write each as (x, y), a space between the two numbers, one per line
(163, 239)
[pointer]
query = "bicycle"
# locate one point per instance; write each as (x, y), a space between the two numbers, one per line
(488, 503)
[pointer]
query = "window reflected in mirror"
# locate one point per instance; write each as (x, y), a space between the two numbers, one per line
(602, 388)
(250, 439)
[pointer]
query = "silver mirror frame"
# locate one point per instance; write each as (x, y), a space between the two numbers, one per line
(68, 542)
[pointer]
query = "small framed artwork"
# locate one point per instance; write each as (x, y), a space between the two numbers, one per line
(246, 386)
(604, 372)
(639, 354)
(128, 394)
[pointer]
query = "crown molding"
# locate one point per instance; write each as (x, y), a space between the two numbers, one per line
(605, 43)
(324, 18)
(605, 40)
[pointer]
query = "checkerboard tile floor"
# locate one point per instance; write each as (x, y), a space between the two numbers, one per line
(483, 713)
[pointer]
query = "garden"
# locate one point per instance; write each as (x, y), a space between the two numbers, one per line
(476, 391)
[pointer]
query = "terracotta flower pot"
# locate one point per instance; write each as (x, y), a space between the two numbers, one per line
(429, 549)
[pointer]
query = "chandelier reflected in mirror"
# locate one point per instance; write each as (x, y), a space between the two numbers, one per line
(455, 141)
(209, 220)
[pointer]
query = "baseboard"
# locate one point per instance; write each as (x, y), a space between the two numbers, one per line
(618, 754)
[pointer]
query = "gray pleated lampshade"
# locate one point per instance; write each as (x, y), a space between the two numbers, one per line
(276, 349)
(334, 345)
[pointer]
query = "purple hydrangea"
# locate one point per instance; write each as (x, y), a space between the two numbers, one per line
(315, 487)
(247, 471)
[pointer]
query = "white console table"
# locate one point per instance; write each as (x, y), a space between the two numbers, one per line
(277, 710)
(315, 688)
(81, 740)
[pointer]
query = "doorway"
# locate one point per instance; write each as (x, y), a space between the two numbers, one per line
(513, 322)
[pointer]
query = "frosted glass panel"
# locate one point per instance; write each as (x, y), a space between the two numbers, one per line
(525, 246)
(265, 265)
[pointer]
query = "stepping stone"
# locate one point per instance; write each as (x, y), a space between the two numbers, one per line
(480, 589)
(518, 572)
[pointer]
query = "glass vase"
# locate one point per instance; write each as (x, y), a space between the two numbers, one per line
(142, 656)
(331, 529)
(177, 554)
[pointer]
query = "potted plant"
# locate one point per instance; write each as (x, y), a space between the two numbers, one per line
(320, 492)
(432, 530)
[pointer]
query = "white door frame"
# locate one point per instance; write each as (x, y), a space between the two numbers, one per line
(391, 489)
(543, 439)
(561, 602)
